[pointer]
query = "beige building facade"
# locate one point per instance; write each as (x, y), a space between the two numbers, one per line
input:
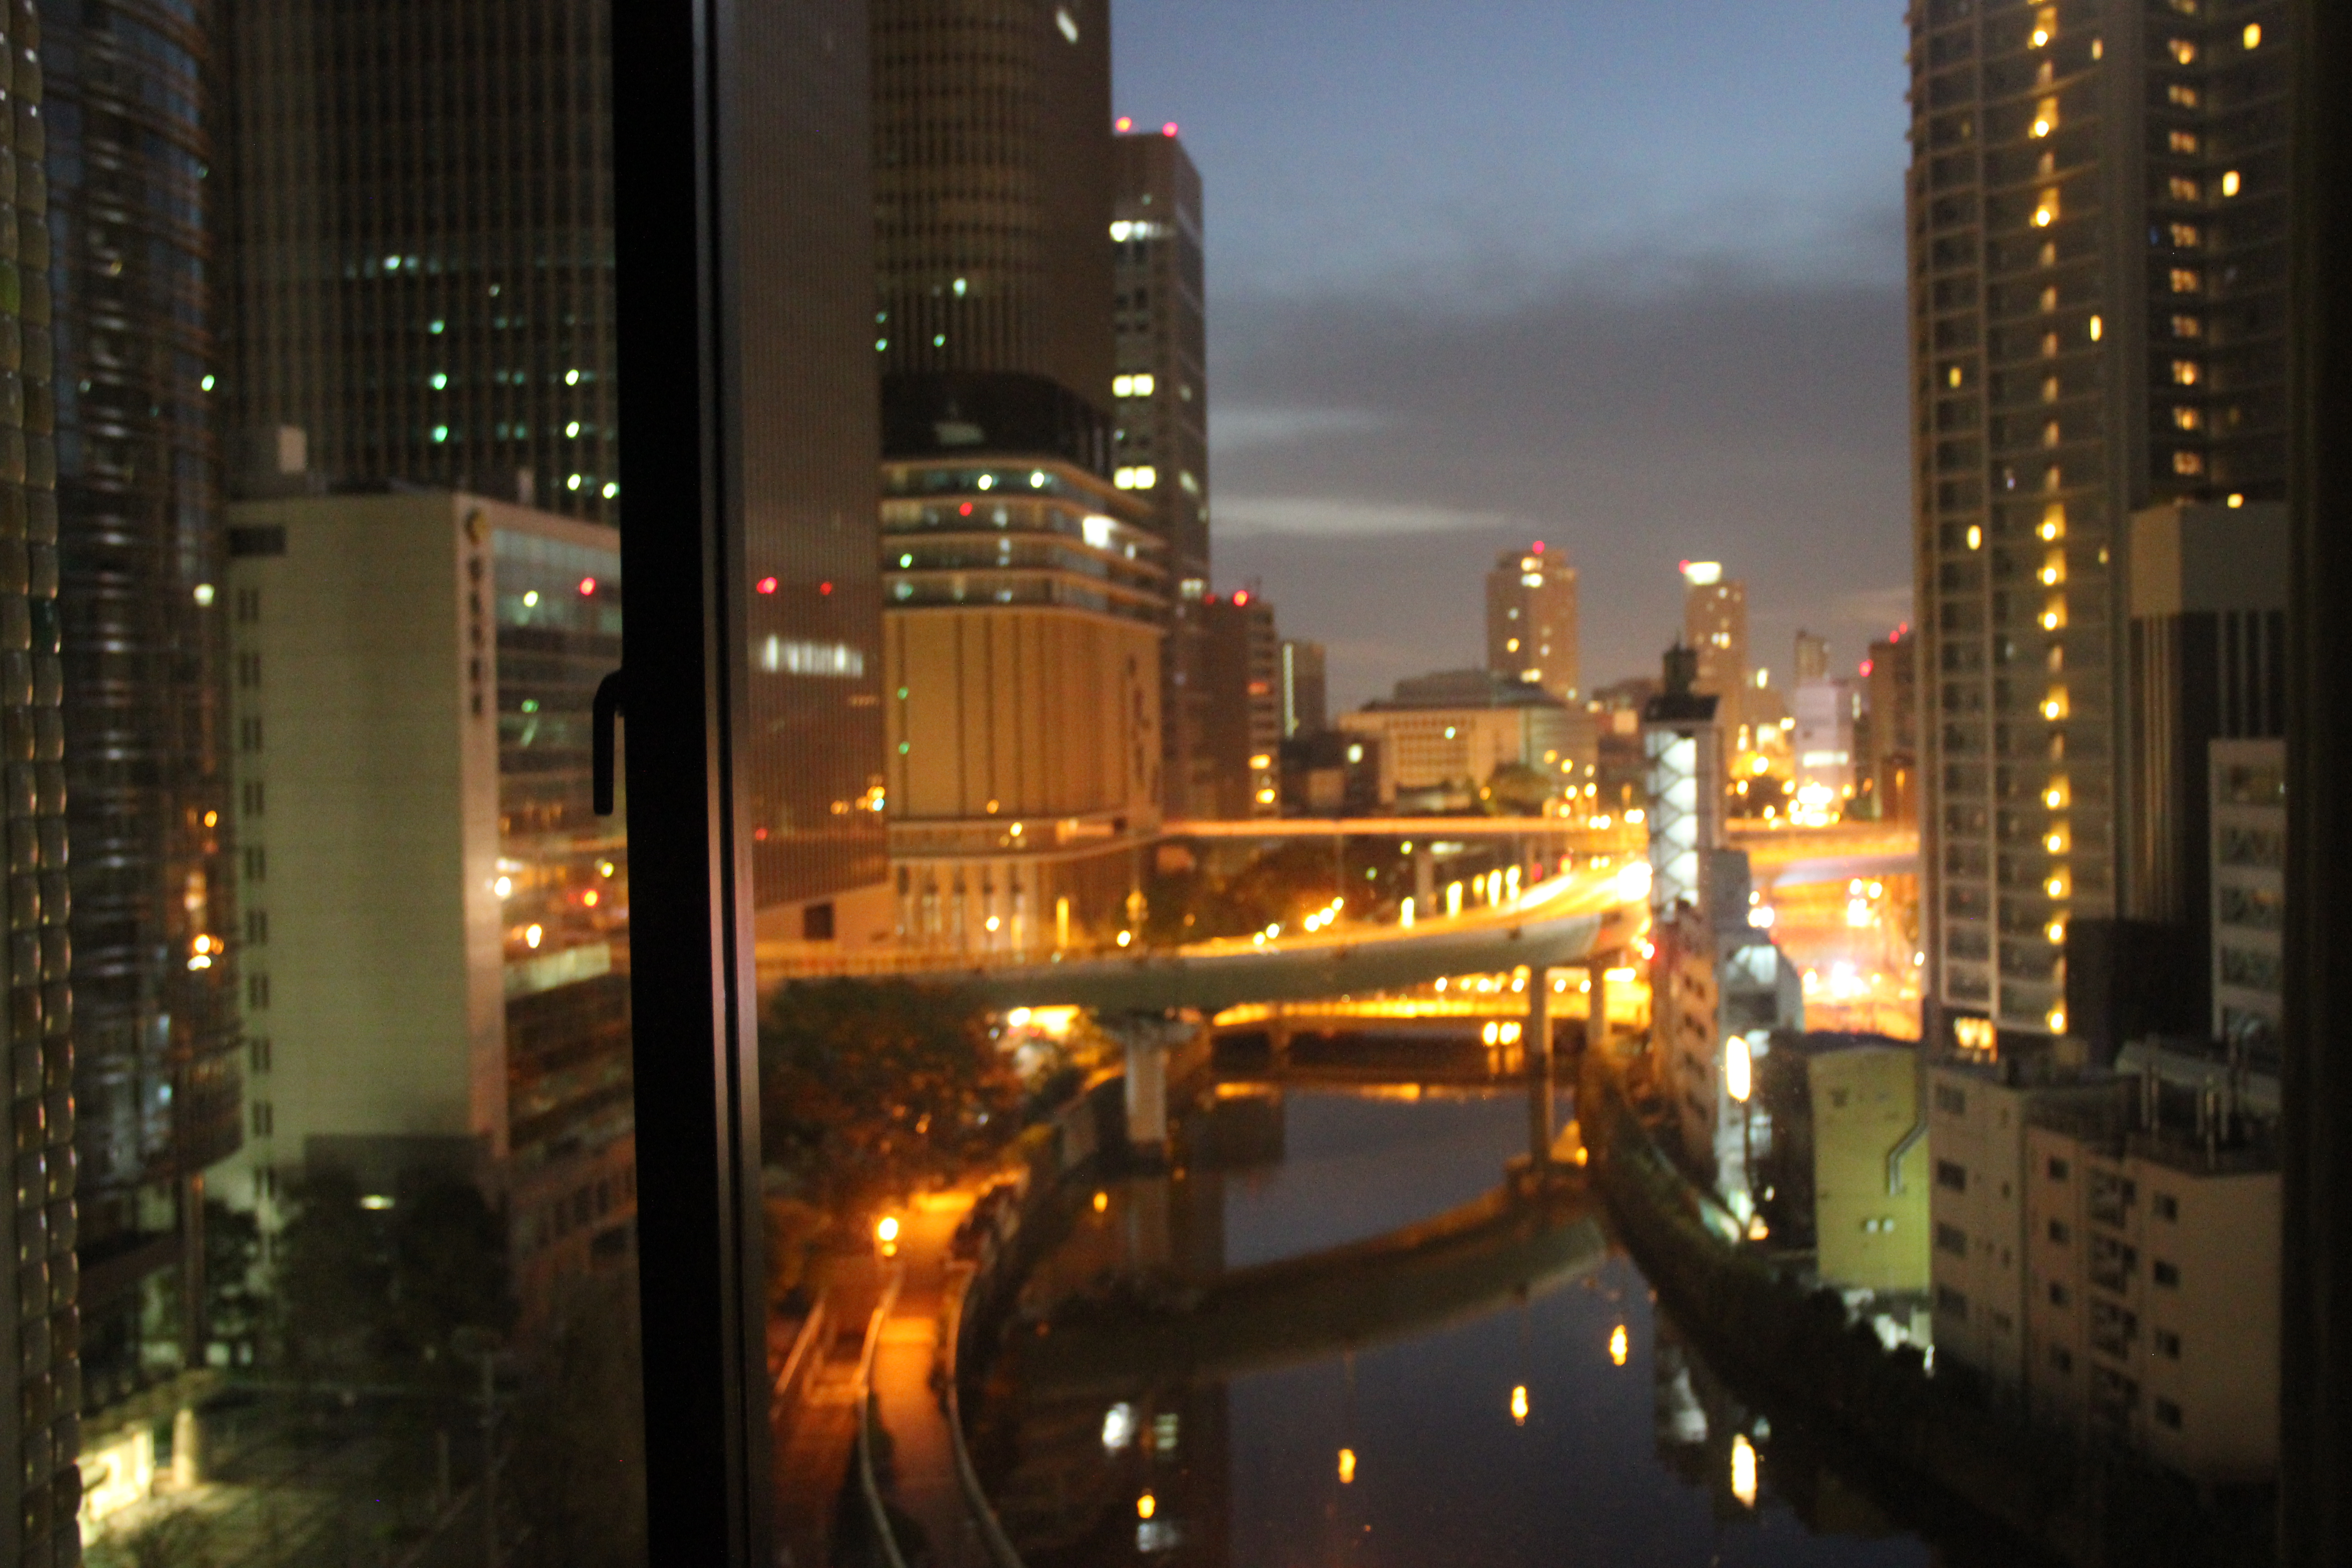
(1021, 647)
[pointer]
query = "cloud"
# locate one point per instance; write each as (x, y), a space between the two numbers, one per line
(1235, 426)
(1240, 515)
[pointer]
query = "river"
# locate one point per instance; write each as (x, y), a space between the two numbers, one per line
(1572, 1425)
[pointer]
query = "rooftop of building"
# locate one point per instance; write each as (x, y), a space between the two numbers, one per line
(1451, 689)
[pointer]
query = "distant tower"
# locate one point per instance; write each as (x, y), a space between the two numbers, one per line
(1161, 397)
(1306, 704)
(1242, 670)
(1812, 659)
(2098, 207)
(1531, 621)
(1715, 628)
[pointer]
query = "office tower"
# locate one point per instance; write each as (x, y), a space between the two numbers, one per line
(435, 924)
(2205, 644)
(419, 268)
(994, 181)
(1026, 587)
(1715, 628)
(1891, 759)
(1241, 665)
(418, 243)
(1812, 659)
(138, 560)
(40, 1418)
(1440, 737)
(1305, 700)
(1531, 621)
(1021, 648)
(2098, 223)
(1161, 398)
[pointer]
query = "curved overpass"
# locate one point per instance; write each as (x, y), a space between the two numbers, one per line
(1571, 919)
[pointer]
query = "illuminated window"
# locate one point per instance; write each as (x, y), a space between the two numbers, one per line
(2045, 211)
(2182, 141)
(2184, 418)
(2050, 298)
(2187, 327)
(2188, 464)
(2187, 280)
(2230, 185)
(2053, 568)
(1952, 377)
(2045, 26)
(2050, 434)
(2050, 344)
(2183, 189)
(2099, 328)
(2054, 522)
(2183, 94)
(2184, 372)
(2252, 37)
(2053, 614)
(2182, 51)
(2045, 117)
(2187, 237)
(2049, 389)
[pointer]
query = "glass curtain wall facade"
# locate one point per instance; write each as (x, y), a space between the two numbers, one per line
(40, 1418)
(155, 1026)
(419, 245)
(2096, 204)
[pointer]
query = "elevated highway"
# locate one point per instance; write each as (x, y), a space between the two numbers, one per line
(1574, 920)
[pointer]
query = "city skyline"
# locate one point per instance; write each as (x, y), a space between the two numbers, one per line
(1696, 322)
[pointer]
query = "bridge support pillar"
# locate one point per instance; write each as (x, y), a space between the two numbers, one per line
(1147, 1094)
(1536, 1050)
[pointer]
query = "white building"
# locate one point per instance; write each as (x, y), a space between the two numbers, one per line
(1448, 732)
(1823, 748)
(433, 951)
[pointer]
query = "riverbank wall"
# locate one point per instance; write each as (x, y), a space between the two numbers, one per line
(2083, 1507)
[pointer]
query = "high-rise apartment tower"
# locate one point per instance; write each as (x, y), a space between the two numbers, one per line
(1531, 621)
(2097, 218)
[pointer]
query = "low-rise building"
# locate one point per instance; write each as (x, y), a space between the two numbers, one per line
(1976, 1115)
(2153, 1236)
(1847, 1168)
(1442, 736)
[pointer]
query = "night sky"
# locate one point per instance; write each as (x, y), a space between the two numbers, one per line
(1622, 275)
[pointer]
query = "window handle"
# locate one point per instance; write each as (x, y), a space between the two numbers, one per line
(610, 704)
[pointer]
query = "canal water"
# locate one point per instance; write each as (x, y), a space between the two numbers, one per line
(1572, 1425)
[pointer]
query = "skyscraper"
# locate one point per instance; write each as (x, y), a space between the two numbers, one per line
(1161, 392)
(1715, 628)
(1025, 580)
(418, 242)
(1242, 672)
(139, 557)
(2098, 223)
(1531, 621)
(993, 177)
(1305, 690)
(40, 1417)
(420, 278)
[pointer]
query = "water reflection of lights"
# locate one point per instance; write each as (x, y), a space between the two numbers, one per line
(1520, 1405)
(1617, 1345)
(1743, 1470)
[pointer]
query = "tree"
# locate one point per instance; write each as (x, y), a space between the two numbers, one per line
(1515, 789)
(872, 1088)
(576, 1473)
(333, 1278)
(449, 1272)
(234, 1309)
